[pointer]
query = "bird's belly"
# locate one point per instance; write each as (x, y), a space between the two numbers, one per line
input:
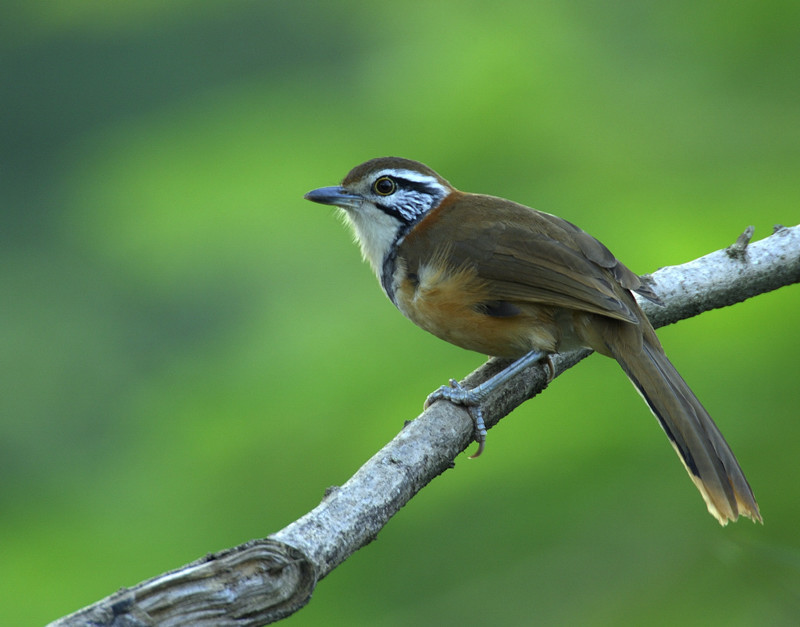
(452, 306)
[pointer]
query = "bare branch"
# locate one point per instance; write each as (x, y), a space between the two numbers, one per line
(265, 580)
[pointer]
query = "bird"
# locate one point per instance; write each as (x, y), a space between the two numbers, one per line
(497, 277)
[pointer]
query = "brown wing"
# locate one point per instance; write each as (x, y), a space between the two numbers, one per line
(527, 256)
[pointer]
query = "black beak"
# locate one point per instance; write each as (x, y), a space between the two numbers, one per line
(337, 196)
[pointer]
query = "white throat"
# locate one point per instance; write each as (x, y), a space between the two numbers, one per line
(375, 232)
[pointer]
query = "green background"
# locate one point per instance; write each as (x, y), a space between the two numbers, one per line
(191, 353)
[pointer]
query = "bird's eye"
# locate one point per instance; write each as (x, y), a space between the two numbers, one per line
(384, 186)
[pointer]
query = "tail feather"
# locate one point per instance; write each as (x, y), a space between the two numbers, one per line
(706, 456)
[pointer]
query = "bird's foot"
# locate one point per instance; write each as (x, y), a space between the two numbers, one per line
(469, 398)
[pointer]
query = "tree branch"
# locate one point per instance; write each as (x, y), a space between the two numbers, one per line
(265, 580)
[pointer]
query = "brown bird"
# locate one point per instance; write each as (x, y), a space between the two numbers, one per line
(496, 277)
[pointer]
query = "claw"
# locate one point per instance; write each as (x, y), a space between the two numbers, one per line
(480, 430)
(551, 368)
(470, 399)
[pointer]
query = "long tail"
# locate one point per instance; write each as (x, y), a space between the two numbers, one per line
(706, 456)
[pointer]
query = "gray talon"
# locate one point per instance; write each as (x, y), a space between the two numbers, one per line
(470, 399)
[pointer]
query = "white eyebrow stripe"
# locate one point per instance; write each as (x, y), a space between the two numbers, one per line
(410, 175)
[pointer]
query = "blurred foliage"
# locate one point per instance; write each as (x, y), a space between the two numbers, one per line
(191, 353)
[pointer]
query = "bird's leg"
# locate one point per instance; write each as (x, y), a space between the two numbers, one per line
(472, 398)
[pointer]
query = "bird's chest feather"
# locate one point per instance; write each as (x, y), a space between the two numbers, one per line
(455, 305)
